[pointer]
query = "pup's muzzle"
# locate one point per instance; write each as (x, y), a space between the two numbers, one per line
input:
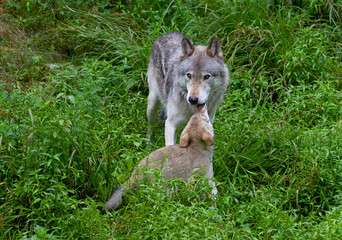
(200, 105)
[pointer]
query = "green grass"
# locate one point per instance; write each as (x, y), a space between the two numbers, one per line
(73, 97)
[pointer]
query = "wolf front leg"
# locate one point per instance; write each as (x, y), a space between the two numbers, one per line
(174, 120)
(170, 133)
(211, 180)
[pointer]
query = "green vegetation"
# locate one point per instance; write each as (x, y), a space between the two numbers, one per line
(72, 120)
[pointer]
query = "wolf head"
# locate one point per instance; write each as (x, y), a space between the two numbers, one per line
(202, 70)
(199, 129)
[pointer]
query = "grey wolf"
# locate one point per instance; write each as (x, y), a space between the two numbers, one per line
(182, 75)
(194, 152)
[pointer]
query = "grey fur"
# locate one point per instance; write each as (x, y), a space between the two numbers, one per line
(162, 114)
(115, 200)
(178, 79)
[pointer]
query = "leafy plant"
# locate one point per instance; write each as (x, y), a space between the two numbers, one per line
(73, 96)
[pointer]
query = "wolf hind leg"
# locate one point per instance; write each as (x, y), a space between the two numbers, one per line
(152, 113)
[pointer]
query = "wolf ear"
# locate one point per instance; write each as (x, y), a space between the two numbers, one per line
(208, 138)
(184, 140)
(187, 47)
(214, 48)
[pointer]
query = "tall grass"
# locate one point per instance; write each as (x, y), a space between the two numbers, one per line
(279, 45)
(72, 120)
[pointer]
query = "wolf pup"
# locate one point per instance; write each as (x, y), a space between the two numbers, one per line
(194, 151)
(182, 75)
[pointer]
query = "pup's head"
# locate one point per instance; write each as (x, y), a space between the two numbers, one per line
(202, 70)
(199, 129)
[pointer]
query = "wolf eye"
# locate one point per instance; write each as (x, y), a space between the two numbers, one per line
(188, 75)
(207, 76)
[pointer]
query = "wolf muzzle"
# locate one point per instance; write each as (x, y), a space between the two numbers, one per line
(193, 100)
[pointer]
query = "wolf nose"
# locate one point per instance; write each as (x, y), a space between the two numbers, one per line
(193, 99)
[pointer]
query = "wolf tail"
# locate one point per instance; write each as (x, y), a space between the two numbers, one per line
(115, 200)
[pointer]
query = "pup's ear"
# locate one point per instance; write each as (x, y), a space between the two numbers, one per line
(187, 47)
(184, 140)
(214, 48)
(208, 138)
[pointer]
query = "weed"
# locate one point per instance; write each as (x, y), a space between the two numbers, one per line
(72, 120)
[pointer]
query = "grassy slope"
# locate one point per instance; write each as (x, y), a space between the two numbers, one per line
(72, 120)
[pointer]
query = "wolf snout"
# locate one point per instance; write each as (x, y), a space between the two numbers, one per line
(193, 100)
